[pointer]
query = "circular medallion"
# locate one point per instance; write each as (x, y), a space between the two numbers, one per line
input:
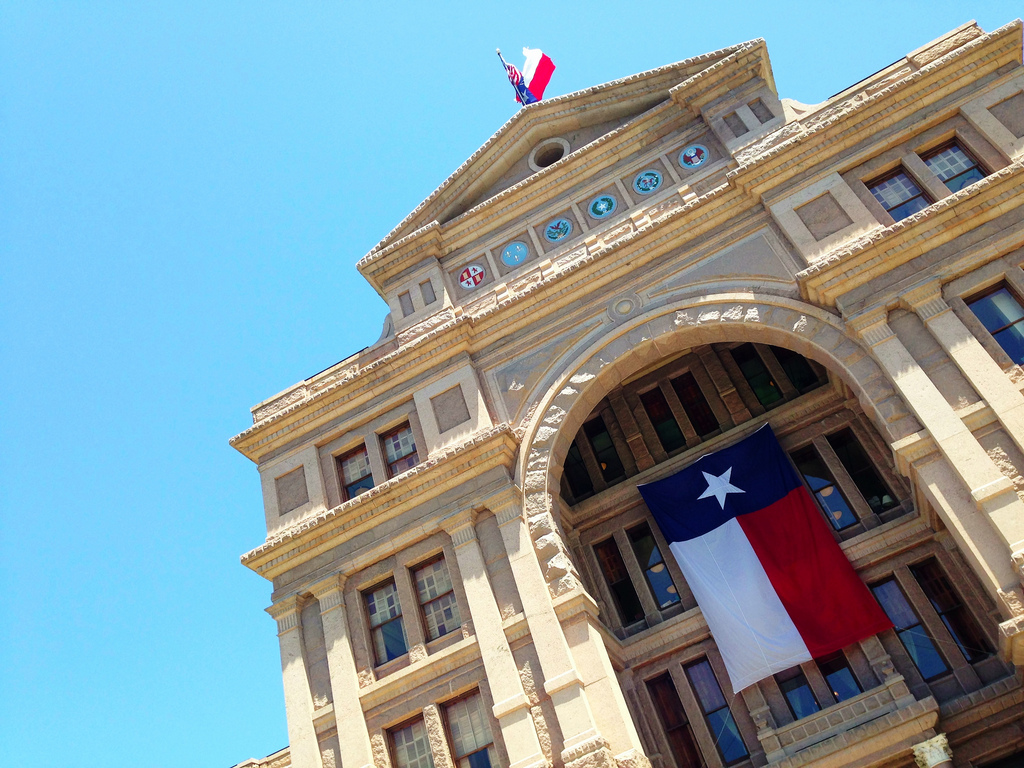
(471, 276)
(693, 156)
(602, 206)
(646, 182)
(514, 254)
(559, 229)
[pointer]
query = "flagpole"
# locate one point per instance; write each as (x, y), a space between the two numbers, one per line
(504, 66)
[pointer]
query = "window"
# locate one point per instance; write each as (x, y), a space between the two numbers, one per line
(437, 598)
(673, 719)
(576, 475)
(954, 167)
(823, 487)
(354, 468)
(662, 419)
(604, 450)
(653, 565)
(761, 111)
(427, 291)
(898, 194)
(863, 473)
(757, 375)
(716, 712)
(400, 449)
(961, 625)
(405, 301)
(1001, 314)
(839, 677)
(410, 746)
(920, 647)
(799, 696)
(736, 124)
(695, 404)
(386, 629)
(798, 370)
(615, 573)
(470, 732)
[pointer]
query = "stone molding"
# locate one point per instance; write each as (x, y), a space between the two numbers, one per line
(286, 613)
(872, 327)
(925, 300)
(933, 753)
(461, 527)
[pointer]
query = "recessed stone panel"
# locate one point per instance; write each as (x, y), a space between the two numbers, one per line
(291, 491)
(450, 409)
(1011, 114)
(823, 216)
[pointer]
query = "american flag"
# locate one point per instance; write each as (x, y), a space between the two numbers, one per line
(523, 95)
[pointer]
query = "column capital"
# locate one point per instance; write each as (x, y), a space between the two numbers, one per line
(286, 613)
(330, 592)
(872, 326)
(933, 753)
(461, 527)
(925, 300)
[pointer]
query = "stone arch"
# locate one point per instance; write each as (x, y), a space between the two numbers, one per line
(642, 340)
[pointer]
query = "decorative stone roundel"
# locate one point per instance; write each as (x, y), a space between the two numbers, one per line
(647, 182)
(514, 254)
(694, 156)
(603, 206)
(556, 230)
(472, 276)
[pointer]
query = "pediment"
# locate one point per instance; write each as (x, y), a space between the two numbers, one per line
(581, 119)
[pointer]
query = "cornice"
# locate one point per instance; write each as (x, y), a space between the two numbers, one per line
(326, 529)
(884, 249)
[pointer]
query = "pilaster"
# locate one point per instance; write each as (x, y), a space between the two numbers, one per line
(305, 749)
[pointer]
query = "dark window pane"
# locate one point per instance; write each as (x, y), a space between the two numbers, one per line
(837, 673)
(954, 167)
(716, 712)
(705, 684)
(670, 711)
(604, 449)
(958, 620)
(1012, 341)
(615, 573)
(919, 646)
(394, 639)
(662, 419)
(849, 451)
(797, 369)
(754, 371)
(695, 404)
(899, 195)
(400, 450)
(727, 735)
(824, 488)
(655, 570)
(1001, 314)
(797, 691)
(895, 605)
(580, 485)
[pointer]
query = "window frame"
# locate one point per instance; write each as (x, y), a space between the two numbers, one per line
(1002, 285)
(408, 723)
(898, 170)
(388, 463)
(343, 487)
(421, 604)
(705, 659)
(486, 709)
(955, 141)
(365, 593)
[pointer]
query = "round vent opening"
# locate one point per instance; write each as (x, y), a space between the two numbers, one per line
(547, 153)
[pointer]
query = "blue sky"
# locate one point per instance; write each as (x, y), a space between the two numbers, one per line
(186, 188)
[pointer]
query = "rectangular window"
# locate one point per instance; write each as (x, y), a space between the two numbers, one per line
(716, 712)
(437, 599)
(386, 629)
(1001, 314)
(673, 719)
(662, 419)
(470, 732)
(736, 124)
(799, 696)
(427, 291)
(920, 647)
(837, 673)
(400, 449)
(410, 746)
(954, 166)
(898, 194)
(576, 475)
(354, 468)
(695, 404)
(757, 375)
(958, 620)
(653, 564)
(615, 573)
(797, 369)
(863, 473)
(604, 449)
(405, 301)
(831, 500)
(761, 111)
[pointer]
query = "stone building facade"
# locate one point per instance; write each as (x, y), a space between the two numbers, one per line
(619, 281)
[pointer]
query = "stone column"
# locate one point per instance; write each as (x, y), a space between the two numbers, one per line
(511, 706)
(582, 744)
(353, 737)
(934, 753)
(991, 492)
(305, 749)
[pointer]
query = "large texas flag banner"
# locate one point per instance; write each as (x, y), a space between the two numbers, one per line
(774, 587)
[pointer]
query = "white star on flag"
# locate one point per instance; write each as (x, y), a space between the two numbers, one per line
(719, 487)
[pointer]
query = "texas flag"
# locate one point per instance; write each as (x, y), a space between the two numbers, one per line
(774, 587)
(531, 82)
